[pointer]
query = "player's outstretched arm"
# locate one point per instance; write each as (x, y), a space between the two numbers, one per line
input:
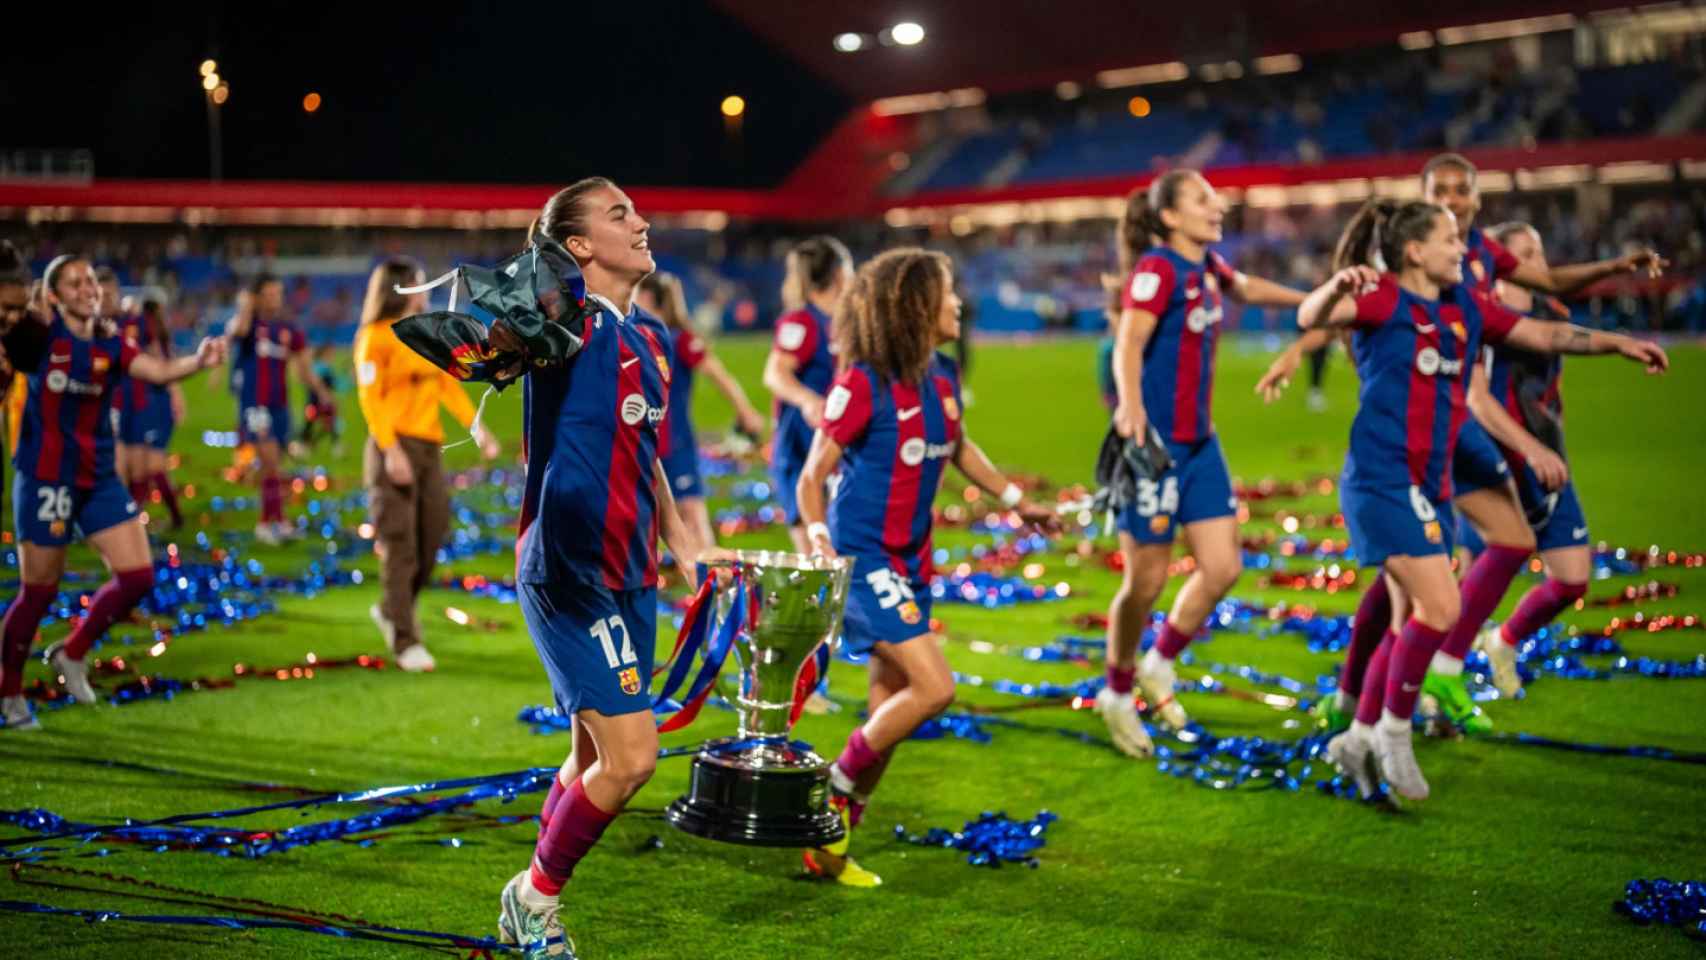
(970, 459)
(1572, 277)
(152, 369)
(1260, 292)
(746, 416)
(1278, 377)
(821, 462)
(1333, 304)
(1542, 337)
(1492, 415)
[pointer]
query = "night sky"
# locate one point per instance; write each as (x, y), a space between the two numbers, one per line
(499, 93)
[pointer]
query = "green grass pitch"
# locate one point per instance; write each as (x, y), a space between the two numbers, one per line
(1519, 853)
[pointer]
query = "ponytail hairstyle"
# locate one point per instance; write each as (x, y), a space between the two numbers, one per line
(817, 262)
(383, 302)
(1142, 227)
(563, 216)
(665, 288)
(14, 269)
(1377, 234)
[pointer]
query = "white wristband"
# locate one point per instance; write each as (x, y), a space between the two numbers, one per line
(816, 530)
(1011, 496)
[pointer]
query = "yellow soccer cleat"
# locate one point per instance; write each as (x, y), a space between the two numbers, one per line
(842, 869)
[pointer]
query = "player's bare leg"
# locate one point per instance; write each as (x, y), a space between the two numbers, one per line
(1128, 615)
(124, 548)
(1214, 545)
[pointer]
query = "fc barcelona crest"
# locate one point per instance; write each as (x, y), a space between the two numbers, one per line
(951, 408)
(1431, 531)
(1479, 270)
(630, 680)
(663, 366)
(910, 613)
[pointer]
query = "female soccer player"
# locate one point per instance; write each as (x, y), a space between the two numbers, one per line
(594, 503)
(399, 392)
(1164, 370)
(892, 423)
(266, 344)
(661, 296)
(1527, 387)
(66, 479)
(148, 413)
(802, 364)
(1418, 329)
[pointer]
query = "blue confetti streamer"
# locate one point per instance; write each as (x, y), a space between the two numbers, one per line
(1667, 903)
(990, 840)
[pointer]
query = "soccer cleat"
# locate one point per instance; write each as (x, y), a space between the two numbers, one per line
(1329, 719)
(538, 933)
(1397, 759)
(416, 659)
(1317, 401)
(267, 533)
(1501, 656)
(17, 714)
(1353, 755)
(1119, 711)
(842, 869)
(1157, 686)
(73, 674)
(287, 531)
(1451, 695)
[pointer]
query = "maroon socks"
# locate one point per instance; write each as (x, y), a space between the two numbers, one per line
(1373, 621)
(272, 500)
(168, 496)
(1170, 642)
(575, 826)
(1539, 607)
(1120, 678)
(1374, 680)
(115, 599)
(23, 616)
(1408, 666)
(1482, 590)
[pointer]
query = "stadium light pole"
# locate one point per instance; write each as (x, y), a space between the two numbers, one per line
(215, 92)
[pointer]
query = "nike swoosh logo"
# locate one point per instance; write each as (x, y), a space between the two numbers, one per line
(1410, 688)
(1191, 294)
(59, 358)
(1579, 532)
(1425, 328)
(628, 363)
(908, 414)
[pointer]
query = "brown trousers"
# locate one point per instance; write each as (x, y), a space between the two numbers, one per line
(409, 524)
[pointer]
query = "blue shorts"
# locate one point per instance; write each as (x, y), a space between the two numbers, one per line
(1555, 516)
(1476, 464)
(133, 425)
(597, 645)
(682, 469)
(1386, 522)
(255, 424)
(1197, 487)
(785, 476)
(883, 604)
(158, 433)
(47, 514)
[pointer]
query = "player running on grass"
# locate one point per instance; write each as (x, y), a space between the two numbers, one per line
(67, 483)
(595, 502)
(1164, 357)
(1481, 480)
(892, 423)
(1417, 330)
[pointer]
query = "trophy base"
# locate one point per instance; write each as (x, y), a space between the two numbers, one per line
(738, 798)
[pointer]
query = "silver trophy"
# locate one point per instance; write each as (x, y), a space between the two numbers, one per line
(758, 787)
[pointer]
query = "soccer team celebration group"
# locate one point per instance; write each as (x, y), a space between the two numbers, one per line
(1456, 331)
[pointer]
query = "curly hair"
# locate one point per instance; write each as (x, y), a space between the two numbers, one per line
(888, 318)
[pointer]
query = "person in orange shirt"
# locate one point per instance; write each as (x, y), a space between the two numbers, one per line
(400, 392)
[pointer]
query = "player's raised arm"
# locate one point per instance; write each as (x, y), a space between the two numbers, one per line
(152, 368)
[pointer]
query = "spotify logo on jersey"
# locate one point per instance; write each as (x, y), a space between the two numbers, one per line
(56, 380)
(912, 452)
(1430, 363)
(635, 408)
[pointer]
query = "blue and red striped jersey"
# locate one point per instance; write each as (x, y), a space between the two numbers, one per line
(897, 440)
(803, 335)
(1515, 374)
(689, 353)
(1485, 261)
(1178, 360)
(1414, 356)
(67, 432)
(263, 356)
(591, 430)
(149, 335)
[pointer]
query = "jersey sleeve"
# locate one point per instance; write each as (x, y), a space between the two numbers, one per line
(1375, 307)
(797, 336)
(847, 409)
(1504, 262)
(1150, 286)
(1222, 270)
(128, 351)
(372, 367)
(298, 340)
(1497, 320)
(689, 350)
